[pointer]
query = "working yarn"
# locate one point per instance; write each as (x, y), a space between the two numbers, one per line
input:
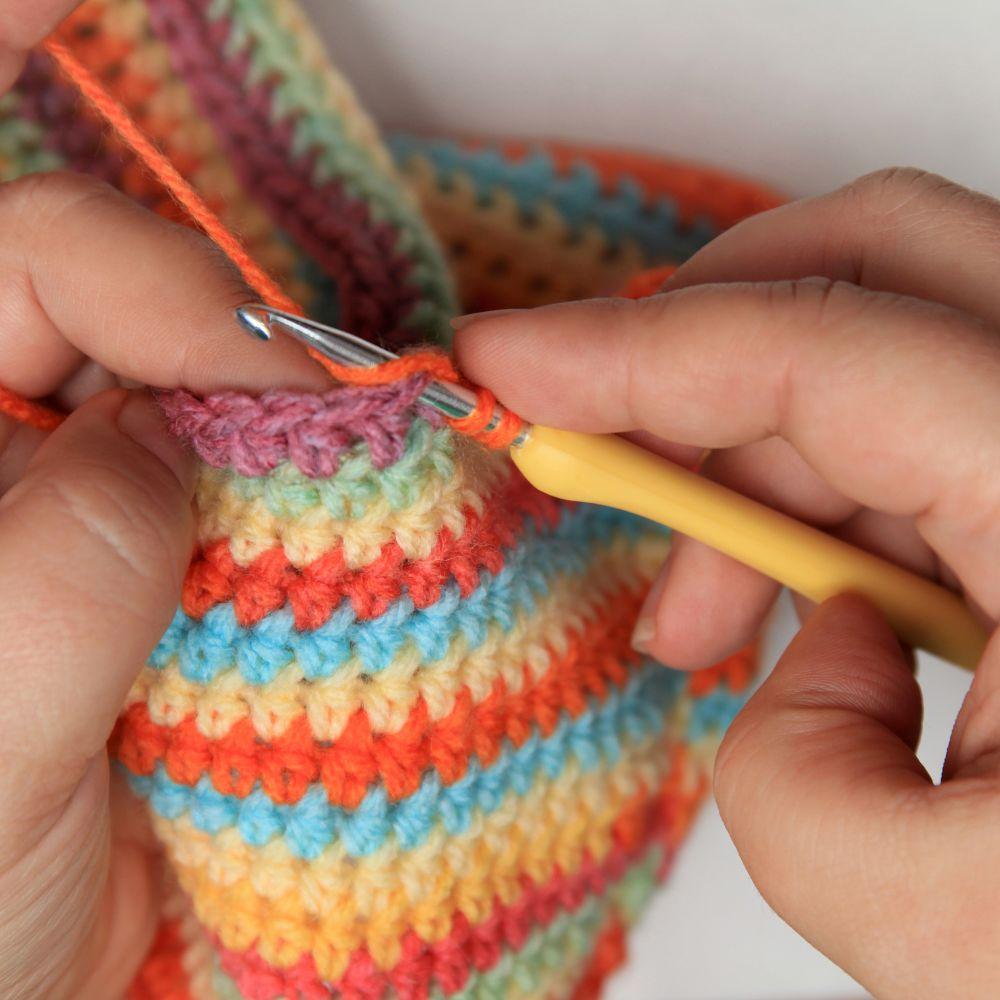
(396, 742)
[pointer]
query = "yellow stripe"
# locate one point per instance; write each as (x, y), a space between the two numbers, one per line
(503, 260)
(519, 656)
(336, 904)
(252, 529)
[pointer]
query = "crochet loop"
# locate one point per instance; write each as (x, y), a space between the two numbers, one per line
(438, 365)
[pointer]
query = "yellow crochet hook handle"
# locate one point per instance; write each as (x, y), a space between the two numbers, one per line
(608, 470)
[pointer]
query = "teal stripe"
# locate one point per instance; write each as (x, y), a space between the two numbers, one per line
(625, 213)
(428, 460)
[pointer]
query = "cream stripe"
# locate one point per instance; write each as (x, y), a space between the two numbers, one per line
(333, 905)
(252, 529)
(572, 265)
(389, 695)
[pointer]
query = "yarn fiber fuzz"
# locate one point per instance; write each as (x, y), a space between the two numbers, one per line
(395, 742)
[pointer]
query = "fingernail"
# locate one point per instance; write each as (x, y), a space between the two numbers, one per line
(141, 420)
(461, 322)
(644, 633)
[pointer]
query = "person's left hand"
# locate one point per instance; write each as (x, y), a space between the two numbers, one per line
(96, 530)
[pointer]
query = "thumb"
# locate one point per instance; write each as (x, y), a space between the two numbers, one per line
(815, 780)
(94, 541)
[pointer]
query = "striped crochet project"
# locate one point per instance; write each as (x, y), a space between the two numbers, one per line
(395, 742)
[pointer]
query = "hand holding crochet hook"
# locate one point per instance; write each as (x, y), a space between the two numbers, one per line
(868, 408)
(865, 400)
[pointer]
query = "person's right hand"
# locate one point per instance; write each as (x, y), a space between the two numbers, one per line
(842, 357)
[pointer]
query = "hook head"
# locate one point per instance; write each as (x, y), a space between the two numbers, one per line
(255, 320)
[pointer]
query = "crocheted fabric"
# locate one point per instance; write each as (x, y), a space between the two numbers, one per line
(395, 742)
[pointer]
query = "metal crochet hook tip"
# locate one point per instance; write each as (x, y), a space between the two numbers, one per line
(255, 321)
(453, 401)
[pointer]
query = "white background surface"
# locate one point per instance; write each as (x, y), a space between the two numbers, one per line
(804, 94)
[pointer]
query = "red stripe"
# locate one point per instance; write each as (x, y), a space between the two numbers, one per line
(609, 954)
(468, 948)
(163, 976)
(316, 590)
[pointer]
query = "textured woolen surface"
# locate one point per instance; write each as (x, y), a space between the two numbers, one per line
(395, 742)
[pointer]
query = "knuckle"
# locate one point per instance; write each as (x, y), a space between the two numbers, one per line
(37, 203)
(36, 206)
(651, 315)
(134, 513)
(894, 192)
(206, 256)
(43, 195)
(890, 185)
(729, 760)
(817, 302)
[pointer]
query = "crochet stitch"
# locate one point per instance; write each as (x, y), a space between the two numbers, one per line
(395, 742)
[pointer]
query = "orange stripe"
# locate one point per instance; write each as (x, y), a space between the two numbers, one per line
(316, 590)
(594, 659)
(163, 976)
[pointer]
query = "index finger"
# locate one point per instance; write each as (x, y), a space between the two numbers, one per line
(85, 272)
(23, 24)
(893, 401)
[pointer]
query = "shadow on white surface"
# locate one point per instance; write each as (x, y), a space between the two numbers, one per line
(802, 95)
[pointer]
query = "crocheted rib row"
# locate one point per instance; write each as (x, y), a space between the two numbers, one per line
(395, 742)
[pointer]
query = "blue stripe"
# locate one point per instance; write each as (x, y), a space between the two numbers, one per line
(624, 214)
(205, 648)
(595, 738)
(711, 713)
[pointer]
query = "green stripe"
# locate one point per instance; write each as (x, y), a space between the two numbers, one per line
(427, 464)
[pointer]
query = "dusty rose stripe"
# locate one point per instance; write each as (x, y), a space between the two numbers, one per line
(254, 434)
(337, 231)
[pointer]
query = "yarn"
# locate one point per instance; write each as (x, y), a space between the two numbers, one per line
(25, 411)
(476, 424)
(395, 742)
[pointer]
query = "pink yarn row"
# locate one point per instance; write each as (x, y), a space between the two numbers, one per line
(254, 434)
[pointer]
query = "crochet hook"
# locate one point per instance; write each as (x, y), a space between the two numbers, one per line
(608, 470)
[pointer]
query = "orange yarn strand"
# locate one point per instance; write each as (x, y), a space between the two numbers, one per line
(129, 132)
(432, 363)
(475, 424)
(440, 367)
(118, 117)
(24, 411)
